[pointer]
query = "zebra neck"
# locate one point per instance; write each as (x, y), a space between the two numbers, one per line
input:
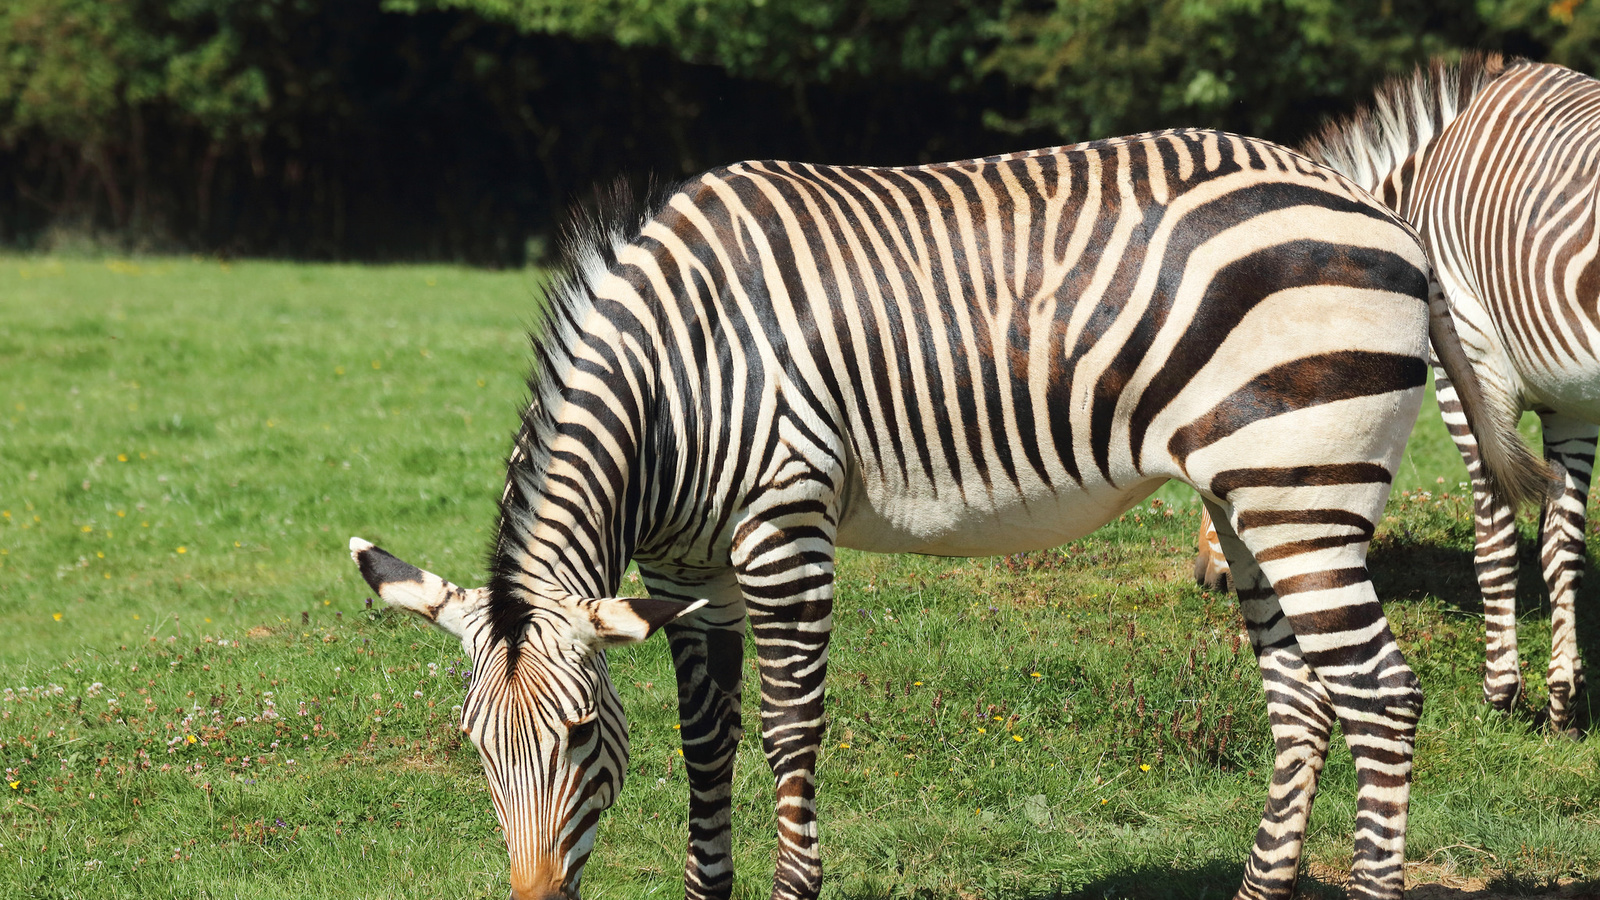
(572, 515)
(572, 541)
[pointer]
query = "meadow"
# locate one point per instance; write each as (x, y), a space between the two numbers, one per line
(197, 700)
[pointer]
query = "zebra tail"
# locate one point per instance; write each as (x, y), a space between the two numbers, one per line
(1513, 471)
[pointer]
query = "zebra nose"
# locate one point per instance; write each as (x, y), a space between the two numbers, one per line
(541, 894)
(541, 890)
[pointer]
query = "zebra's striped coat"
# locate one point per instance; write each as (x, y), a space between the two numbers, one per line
(976, 357)
(1497, 164)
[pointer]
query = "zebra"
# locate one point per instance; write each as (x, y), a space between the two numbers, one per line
(960, 359)
(1495, 163)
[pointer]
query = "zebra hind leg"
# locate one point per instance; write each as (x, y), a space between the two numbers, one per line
(1569, 446)
(708, 656)
(1301, 717)
(1311, 543)
(1494, 558)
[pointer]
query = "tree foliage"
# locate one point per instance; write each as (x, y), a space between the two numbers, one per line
(1268, 67)
(787, 41)
(1090, 68)
(458, 128)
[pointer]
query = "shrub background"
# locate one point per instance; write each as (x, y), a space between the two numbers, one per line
(462, 129)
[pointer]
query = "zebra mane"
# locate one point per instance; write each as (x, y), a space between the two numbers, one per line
(1407, 113)
(590, 242)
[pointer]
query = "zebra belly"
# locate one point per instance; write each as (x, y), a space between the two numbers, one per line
(884, 521)
(1574, 391)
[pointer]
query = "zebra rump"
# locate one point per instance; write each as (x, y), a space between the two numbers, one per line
(1494, 161)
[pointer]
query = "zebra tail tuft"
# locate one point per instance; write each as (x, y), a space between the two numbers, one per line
(1515, 474)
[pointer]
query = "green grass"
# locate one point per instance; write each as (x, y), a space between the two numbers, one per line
(185, 448)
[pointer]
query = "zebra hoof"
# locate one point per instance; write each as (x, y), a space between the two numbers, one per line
(1501, 698)
(1558, 713)
(1209, 578)
(1557, 721)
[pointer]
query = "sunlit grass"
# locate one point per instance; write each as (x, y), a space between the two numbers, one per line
(186, 446)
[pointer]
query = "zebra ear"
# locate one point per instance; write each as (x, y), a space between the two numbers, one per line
(401, 584)
(628, 620)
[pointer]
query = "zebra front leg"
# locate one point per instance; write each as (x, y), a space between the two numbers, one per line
(1301, 717)
(787, 575)
(1494, 558)
(708, 656)
(1569, 446)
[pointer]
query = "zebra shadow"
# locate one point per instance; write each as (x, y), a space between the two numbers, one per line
(1405, 570)
(1210, 880)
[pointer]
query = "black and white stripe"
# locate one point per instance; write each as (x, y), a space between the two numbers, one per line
(970, 358)
(1497, 164)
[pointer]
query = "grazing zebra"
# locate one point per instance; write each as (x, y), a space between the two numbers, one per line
(972, 358)
(1497, 164)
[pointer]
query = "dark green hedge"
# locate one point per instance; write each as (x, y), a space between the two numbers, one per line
(461, 129)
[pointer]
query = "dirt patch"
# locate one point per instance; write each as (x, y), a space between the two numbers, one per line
(427, 761)
(1428, 881)
(258, 632)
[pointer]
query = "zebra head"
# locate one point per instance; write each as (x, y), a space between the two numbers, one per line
(541, 707)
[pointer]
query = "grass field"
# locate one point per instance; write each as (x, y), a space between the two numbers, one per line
(195, 700)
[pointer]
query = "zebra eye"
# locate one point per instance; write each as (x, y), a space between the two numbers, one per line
(581, 733)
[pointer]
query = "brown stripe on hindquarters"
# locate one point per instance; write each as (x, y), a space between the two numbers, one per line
(1230, 480)
(1339, 619)
(1240, 286)
(1295, 548)
(1265, 517)
(1304, 383)
(1326, 580)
